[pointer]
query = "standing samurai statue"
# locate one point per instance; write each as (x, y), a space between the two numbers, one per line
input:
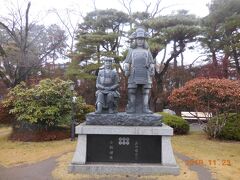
(139, 67)
(107, 85)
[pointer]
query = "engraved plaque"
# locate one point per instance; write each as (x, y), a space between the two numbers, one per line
(124, 149)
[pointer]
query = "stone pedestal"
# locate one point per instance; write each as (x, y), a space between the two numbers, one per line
(124, 119)
(141, 150)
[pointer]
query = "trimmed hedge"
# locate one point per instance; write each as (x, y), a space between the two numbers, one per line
(231, 130)
(179, 125)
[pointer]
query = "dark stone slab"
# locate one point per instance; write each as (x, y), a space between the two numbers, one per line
(124, 148)
(124, 119)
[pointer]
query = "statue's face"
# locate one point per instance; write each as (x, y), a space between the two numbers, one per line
(140, 42)
(108, 64)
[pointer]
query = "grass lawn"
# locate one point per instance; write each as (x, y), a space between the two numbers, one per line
(221, 157)
(13, 153)
(4, 129)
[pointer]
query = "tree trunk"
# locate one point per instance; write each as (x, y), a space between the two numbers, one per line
(98, 54)
(225, 65)
(160, 75)
(182, 64)
(214, 59)
(175, 57)
(175, 66)
(235, 57)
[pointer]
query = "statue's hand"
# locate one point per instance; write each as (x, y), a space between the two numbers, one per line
(152, 73)
(108, 88)
(126, 68)
(152, 70)
(100, 87)
(127, 73)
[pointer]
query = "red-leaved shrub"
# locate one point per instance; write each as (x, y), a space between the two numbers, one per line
(208, 95)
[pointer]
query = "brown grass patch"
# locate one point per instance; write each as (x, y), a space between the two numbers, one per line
(198, 147)
(4, 129)
(14, 153)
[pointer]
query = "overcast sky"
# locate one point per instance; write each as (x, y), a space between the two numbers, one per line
(197, 7)
(39, 9)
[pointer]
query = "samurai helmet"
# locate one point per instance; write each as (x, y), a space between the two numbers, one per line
(139, 33)
(107, 59)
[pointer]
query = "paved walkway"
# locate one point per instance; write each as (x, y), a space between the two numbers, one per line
(38, 171)
(202, 172)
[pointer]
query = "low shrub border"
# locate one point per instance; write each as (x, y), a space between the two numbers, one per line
(179, 125)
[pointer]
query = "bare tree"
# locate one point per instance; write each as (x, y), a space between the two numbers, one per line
(20, 56)
(94, 4)
(70, 19)
(127, 4)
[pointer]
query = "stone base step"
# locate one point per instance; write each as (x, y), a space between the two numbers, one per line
(124, 168)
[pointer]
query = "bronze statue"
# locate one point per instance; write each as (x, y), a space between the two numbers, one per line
(107, 85)
(139, 67)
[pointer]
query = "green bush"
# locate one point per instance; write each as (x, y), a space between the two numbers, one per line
(43, 106)
(179, 125)
(224, 126)
(85, 108)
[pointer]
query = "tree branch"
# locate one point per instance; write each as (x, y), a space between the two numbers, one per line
(72, 31)
(10, 32)
(156, 9)
(94, 4)
(164, 55)
(166, 64)
(26, 26)
(2, 52)
(147, 6)
(127, 7)
(190, 66)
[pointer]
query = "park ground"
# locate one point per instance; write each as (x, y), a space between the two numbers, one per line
(220, 158)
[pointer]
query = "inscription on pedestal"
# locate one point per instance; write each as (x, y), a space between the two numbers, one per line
(125, 149)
